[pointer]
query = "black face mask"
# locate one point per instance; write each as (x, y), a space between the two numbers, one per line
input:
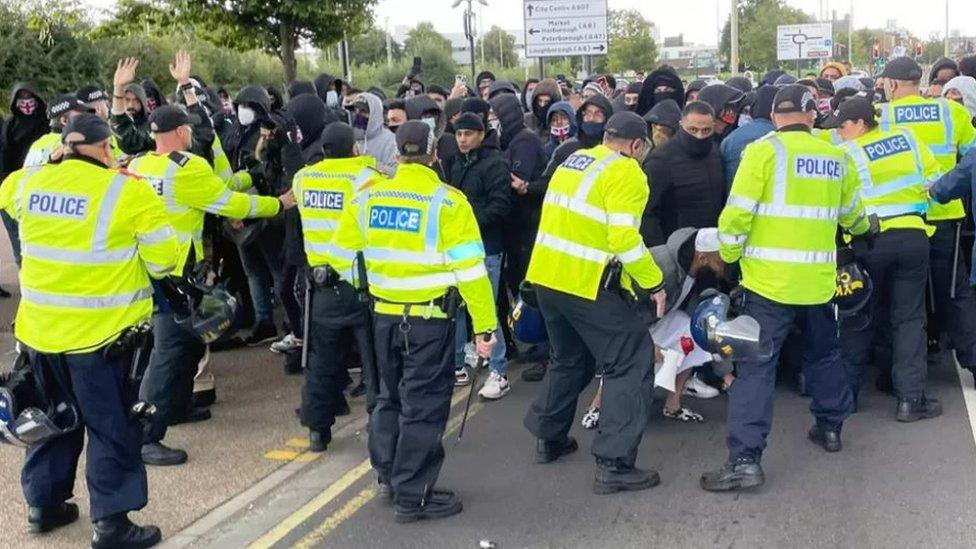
(540, 112)
(591, 133)
(663, 96)
(696, 148)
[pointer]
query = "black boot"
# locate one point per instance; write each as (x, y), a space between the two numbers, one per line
(196, 415)
(613, 475)
(829, 439)
(318, 441)
(204, 399)
(547, 451)
(118, 532)
(535, 372)
(159, 454)
(384, 490)
(914, 409)
(438, 504)
(45, 519)
(733, 476)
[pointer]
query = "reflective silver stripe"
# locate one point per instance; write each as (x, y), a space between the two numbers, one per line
(947, 124)
(106, 212)
(85, 302)
(814, 213)
(252, 209)
(157, 269)
(320, 224)
(364, 175)
(82, 257)
(472, 273)
(404, 256)
(169, 188)
(863, 166)
(571, 248)
(583, 191)
(633, 254)
(742, 202)
(184, 237)
(217, 206)
(789, 256)
(159, 235)
(885, 121)
(437, 280)
(21, 184)
(732, 239)
(782, 164)
(329, 249)
(576, 206)
(622, 220)
(433, 219)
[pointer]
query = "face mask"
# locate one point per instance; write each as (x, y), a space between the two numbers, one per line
(245, 116)
(495, 125)
(592, 129)
(880, 96)
(696, 148)
(27, 106)
(150, 105)
(393, 128)
(360, 121)
(431, 122)
(332, 99)
(561, 134)
(662, 96)
(744, 120)
(823, 105)
(729, 117)
(528, 97)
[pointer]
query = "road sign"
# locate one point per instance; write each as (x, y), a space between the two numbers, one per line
(555, 28)
(812, 41)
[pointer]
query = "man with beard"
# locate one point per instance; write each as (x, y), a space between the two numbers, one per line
(97, 100)
(546, 94)
(663, 83)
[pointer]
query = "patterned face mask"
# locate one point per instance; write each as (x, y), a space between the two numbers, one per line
(27, 106)
(561, 133)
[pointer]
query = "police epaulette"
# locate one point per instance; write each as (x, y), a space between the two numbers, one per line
(179, 158)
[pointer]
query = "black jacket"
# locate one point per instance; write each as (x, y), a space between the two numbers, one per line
(483, 177)
(20, 131)
(525, 155)
(685, 191)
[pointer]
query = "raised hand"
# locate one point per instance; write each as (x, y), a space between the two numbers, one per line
(125, 73)
(180, 68)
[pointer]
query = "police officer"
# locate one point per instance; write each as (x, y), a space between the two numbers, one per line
(189, 188)
(423, 250)
(589, 229)
(59, 112)
(91, 237)
(944, 126)
(322, 190)
(893, 170)
(779, 223)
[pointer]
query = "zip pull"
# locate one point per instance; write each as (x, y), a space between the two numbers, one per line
(405, 330)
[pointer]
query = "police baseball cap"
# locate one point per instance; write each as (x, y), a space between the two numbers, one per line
(85, 129)
(169, 117)
(64, 104)
(902, 68)
(90, 94)
(856, 108)
(794, 98)
(626, 125)
(338, 140)
(415, 138)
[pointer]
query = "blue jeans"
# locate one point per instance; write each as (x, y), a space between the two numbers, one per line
(493, 263)
(263, 262)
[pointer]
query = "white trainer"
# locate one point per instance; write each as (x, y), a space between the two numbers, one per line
(287, 344)
(462, 378)
(699, 389)
(495, 387)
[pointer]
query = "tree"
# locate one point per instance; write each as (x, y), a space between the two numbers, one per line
(138, 17)
(424, 38)
(369, 48)
(758, 20)
(280, 27)
(631, 45)
(499, 46)
(435, 50)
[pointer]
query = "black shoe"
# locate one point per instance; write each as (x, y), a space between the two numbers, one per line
(318, 441)
(884, 383)
(195, 415)
(384, 490)
(535, 372)
(4, 294)
(45, 519)
(547, 451)
(829, 439)
(119, 532)
(293, 364)
(343, 410)
(438, 504)
(914, 409)
(262, 333)
(226, 344)
(612, 475)
(160, 455)
(734, 476)
(204, 399)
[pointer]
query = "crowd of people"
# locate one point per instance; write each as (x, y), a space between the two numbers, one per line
(248, 183)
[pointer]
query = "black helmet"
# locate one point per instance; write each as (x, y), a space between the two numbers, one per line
(211, 317)
(27, 417)
(854, 286)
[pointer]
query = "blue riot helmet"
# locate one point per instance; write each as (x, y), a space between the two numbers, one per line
(527, 323)
(731, 338)
(27, 416)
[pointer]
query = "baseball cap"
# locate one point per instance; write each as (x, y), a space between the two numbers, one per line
(626, 125)
(414, 138)
(706, 240)
(338, 140)
(64, 104)
(902, 68)
(794, 98)
(89, 94)
(85, 129)
(855, 108)
(169, 117)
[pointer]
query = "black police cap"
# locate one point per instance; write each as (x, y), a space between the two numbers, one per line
(856, 108)
(64, 104)
(90, 94)
(414, 138)
(169, 117)
(902, 68)
(794, 98)
(85, 129)
(626, 125)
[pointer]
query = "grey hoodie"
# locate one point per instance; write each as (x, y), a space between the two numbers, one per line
(378, 141)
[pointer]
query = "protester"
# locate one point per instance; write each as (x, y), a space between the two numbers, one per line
(735, 144)
(661, 84)
(372, 136)
(563, 126)
(546, 94)
(662, 122)
(962, 90)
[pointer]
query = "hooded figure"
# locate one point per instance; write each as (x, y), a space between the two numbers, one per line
(663, 76)
(560, 134)
(771, 77)
(154, 97)
(527, 94)
(375, 139)
(499, 87)
(536, 120)
(140, 118)
(662, 122)
(693, 88)
(299, 87)
(734, 145)
(943, 64)
(452, 108)
(424, 108)
(727, 103)
(27, 123)
(966, 87)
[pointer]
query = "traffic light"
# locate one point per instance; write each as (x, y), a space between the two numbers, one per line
(875, 51)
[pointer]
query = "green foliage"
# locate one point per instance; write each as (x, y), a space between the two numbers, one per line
(631, 43)
(499, 46)
(135, 17)
(369, 48)
(435, 50)
(758, 20)
(424, 38)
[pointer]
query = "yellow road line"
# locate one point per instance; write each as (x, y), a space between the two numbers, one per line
(298, 442)
(281, 455)
(314, 537)
(296, 519)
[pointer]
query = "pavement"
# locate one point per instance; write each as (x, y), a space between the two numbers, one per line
(251, 483)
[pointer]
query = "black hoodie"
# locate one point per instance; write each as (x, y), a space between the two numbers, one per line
(20, 131)
(664, 76)
(942, 63)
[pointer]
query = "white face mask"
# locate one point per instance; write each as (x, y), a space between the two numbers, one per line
(432, 122)
(245, 116)
(332, 98)
(744, 119)
(496, 125)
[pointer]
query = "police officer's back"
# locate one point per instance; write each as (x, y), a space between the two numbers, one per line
(92, 238)
(422, 251)
(587, 258)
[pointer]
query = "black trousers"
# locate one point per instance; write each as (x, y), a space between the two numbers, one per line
(334, 313)
(416, 367)
(168, 382)
(898, 265)
(956, 315)
(586, 336)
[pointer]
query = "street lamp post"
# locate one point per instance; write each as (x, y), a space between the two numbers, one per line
(734, 39)
(469, 27)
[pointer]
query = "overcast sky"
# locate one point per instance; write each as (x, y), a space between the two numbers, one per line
(697, 19)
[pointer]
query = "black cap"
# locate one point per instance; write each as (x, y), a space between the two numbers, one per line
(626, 125)
(169, 117)
(85, 129)
(476, 105)
(794, 98)
(338, 140)
(856, 108)
(469, 121)
(902, 68)
(90, 94)
(64, 104)
(415, 138)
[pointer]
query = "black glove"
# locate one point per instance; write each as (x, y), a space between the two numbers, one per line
(284, 130)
